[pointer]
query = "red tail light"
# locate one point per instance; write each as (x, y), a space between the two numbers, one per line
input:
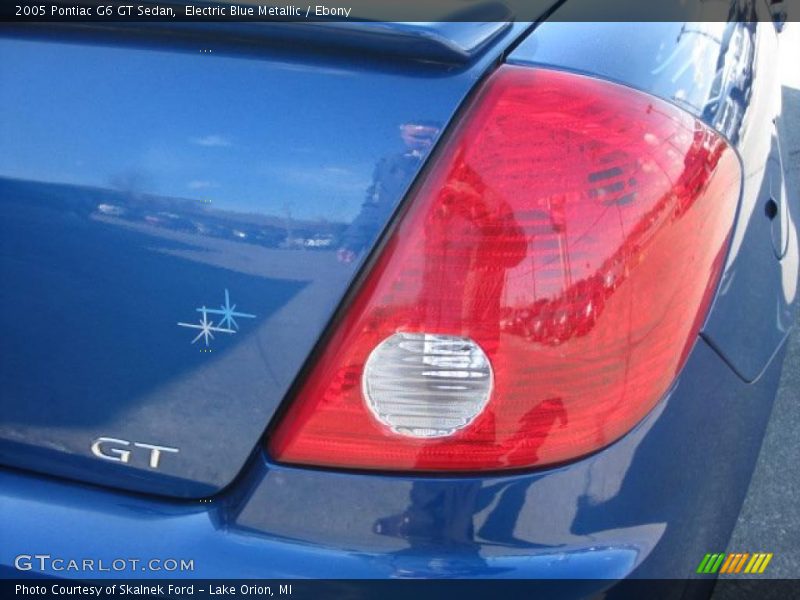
(539, 295)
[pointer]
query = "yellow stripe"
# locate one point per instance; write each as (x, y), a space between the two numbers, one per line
(741, 562)
(765, 563)
(753, 560)
(727, 562)
(756, 566)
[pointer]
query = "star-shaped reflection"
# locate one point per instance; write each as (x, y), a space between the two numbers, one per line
(228, 312)
(206, 327)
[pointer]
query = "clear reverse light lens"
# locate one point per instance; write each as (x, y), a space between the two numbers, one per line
(427, 386)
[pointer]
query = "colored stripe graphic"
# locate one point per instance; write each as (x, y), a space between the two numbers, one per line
(718, 564)
(735, 562)
(736, 557)
(758, 562)
(761, 562)
(741, 562)
(727, 564)
(713, 564)
(765, 563)
(710, 563)
(751, 564)
(702, 566)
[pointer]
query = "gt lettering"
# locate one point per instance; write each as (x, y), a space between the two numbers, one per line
(117, 450)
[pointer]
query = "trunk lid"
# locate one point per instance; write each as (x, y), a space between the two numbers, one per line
(182, 215)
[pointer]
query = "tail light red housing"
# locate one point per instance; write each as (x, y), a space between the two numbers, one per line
(573, 229)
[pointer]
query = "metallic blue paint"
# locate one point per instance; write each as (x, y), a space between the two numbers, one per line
(139, 183)
(443, 42)
(649, 505)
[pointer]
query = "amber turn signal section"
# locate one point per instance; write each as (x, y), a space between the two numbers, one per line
(574, 231)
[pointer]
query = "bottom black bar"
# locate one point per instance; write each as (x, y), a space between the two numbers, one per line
(405, 589)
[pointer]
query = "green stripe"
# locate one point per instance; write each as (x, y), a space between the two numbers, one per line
(710, 563)
(718, 563)
(703, 563)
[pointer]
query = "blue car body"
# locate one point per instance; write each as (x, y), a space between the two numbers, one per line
(150, 172)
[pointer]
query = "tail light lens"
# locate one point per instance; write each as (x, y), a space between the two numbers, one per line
(540, 293)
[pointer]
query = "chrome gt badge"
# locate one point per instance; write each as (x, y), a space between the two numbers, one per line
(117, 450)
